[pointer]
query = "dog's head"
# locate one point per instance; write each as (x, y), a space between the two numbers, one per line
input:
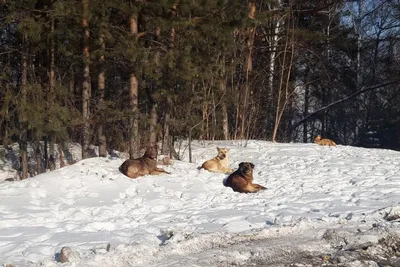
(222, 153)
(246, 168)
(317, 138)
(151, 152)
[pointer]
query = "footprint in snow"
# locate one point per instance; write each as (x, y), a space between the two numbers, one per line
(38, 194)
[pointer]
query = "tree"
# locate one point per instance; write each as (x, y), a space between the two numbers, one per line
(172, 70)
(23, 142)
(101, 93)
(134, 141)
(86, 87)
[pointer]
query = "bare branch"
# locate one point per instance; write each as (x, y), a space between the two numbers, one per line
(363, 90)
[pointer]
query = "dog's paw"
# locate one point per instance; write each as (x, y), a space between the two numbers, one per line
(229, 171)
(259, 187)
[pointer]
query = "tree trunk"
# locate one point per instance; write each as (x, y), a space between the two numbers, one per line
(224, 109)
(52, 83)
(237, 119)
(306, 104)
(46, 154)
(204, 128)
(153, 124)
(52, 153)
(359, 44)
(272, 54)
(86, 88)
(38, 156)
(359, 81)
(280, 96)
(225, 121)
(249, 67)
(61, 155)
(214, 117)
(101, 86)
(206, 113)
(134, 141)
(6, 123)
(167, 142)
(305, 112)
(154, 104)
(276, 28)
(23, 142)
(283, 90)
(165, 148)
(52, 80)
(134, 145)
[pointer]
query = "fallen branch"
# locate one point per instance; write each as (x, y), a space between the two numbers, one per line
(363, 90)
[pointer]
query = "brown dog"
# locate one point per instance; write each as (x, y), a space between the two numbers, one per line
(218, 164)
(242, 179)
(324, 141)
(147, 164)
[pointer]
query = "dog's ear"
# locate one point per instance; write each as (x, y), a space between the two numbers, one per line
(252, 165)
(241, 164)
(218, 148)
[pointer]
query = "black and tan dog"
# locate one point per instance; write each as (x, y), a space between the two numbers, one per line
(218, 164)
(242, 179)
(147, 164)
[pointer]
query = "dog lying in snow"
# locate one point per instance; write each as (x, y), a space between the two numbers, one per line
(242, 179)
(218, 164)
(324, 141)
(147, 164)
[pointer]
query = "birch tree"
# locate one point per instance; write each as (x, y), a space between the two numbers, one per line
(134, 141)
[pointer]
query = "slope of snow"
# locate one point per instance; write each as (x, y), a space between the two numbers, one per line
(188, 218)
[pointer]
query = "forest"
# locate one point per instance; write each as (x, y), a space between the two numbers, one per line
(123, 74)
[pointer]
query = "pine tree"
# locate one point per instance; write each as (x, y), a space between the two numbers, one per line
(86, 86)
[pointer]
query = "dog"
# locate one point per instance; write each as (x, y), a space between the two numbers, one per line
(218, 164)
(323, 141)
(242, 179)
(147, 164)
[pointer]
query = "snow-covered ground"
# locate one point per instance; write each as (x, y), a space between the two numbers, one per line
(333, 206)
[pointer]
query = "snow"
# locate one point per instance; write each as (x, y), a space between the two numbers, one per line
(319, 201)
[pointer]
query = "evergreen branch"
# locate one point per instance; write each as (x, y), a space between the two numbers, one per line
(363, 90)
(10, 51)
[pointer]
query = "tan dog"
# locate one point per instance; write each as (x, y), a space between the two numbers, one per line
(324, 141)
(242, 179)
(218, 164)
(147, 164)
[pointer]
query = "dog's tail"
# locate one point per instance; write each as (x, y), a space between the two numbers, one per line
(122, 167)
(224, 181)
